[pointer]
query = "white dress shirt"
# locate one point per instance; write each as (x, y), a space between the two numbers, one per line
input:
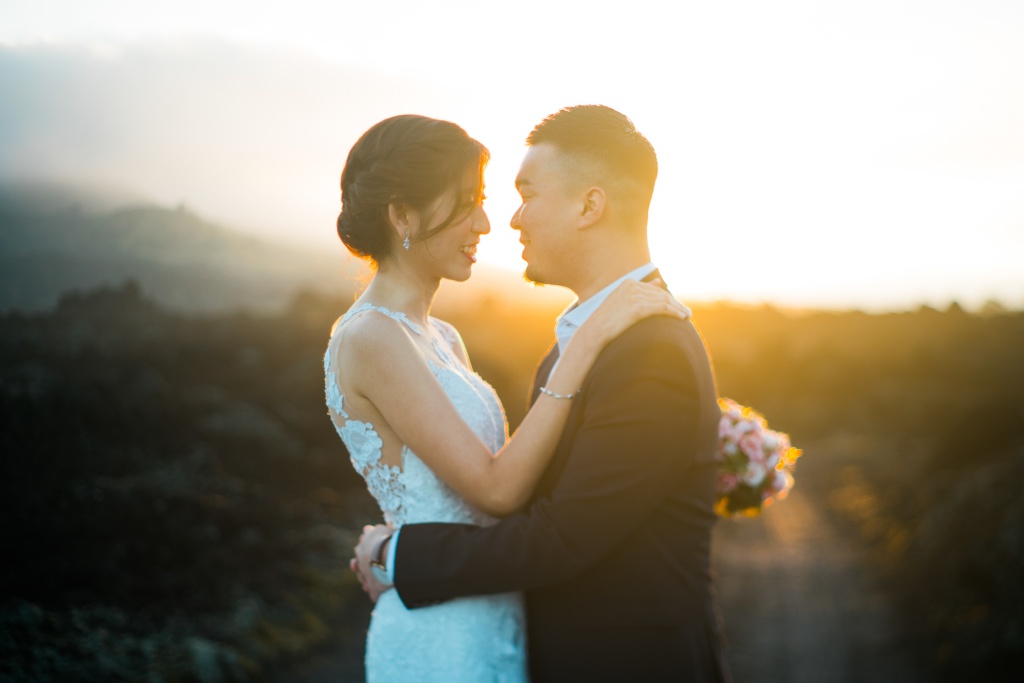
(578, 312)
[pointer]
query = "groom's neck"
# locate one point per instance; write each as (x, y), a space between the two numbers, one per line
(607, 266)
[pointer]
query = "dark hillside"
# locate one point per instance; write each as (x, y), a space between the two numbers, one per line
(178, 504)
(179, 260)
(171, 486)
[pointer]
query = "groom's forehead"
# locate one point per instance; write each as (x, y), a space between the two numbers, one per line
(539, 161)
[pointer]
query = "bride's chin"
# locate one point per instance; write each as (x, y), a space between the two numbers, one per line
(459, 273)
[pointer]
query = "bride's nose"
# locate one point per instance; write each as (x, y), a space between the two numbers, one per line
(481, 224)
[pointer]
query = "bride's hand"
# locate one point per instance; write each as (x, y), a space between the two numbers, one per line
(360, 564)
(629, 303)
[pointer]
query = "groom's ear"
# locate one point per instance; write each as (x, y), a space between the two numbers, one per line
(592, 207)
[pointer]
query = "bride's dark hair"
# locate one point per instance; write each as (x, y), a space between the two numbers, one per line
(409, 159)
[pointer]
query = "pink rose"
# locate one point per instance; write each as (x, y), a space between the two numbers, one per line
(727, 482)
(750, 444)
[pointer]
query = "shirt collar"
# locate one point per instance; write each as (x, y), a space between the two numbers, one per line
(578, 312)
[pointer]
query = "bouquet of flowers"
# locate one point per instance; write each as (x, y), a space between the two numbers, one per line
(756, 463)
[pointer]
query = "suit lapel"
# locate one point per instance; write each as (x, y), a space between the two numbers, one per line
(573, 422)
(543, 372)
(544, 369)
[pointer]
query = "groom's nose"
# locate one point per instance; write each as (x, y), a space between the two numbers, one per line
(516, 225)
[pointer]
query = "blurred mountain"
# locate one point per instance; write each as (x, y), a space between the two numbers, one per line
(55, 239)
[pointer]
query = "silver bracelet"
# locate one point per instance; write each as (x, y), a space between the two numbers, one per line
(545, 390)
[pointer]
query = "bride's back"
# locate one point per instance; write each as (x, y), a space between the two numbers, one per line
(406, 489)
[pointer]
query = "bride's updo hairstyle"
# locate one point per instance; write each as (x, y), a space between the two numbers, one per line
(404, 159)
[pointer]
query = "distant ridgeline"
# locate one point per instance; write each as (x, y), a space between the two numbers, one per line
(53, 242)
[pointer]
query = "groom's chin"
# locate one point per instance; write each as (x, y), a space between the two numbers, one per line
(532, 277)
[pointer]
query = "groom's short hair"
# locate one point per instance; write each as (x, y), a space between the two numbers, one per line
(602, 145)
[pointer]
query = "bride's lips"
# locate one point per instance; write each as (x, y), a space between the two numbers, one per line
(469, 251)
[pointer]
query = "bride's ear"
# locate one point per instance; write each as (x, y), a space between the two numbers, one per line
(403, 218)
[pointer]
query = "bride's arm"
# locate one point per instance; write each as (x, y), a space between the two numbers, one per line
(386, 368)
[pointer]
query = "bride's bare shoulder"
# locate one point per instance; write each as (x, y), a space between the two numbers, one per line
(371, 335)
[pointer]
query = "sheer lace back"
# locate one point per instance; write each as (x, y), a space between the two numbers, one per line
(466, 640)
(410, 492)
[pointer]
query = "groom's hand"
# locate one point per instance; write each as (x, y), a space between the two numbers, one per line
(368, 541)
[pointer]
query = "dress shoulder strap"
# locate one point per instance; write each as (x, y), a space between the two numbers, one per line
(394, 315)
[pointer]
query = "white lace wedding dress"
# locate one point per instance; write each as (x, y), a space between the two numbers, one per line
(476, 639)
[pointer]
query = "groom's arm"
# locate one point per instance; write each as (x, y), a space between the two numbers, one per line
(638, 435)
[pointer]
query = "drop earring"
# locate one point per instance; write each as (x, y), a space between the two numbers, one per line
(405, 242)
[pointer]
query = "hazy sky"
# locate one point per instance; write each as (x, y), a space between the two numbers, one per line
(812, 153)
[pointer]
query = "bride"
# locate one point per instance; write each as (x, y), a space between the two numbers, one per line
(428, 435)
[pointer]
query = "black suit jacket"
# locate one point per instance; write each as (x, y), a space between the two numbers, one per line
(613, 551)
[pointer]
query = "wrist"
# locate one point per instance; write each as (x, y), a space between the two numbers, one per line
(554, 394)
(379, 555)
(576, 361)
(378, 559)
(586, 342)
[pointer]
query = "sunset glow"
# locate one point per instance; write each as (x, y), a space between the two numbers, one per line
(866, 155)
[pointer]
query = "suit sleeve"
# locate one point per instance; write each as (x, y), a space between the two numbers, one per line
(638, 435)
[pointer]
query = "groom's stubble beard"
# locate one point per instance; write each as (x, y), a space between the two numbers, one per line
(549, 276)
(554, 272)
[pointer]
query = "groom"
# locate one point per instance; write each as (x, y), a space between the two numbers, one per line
(613, 550)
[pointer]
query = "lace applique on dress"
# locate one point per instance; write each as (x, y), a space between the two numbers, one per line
(412, 492)
(362, 441)
(466, 640)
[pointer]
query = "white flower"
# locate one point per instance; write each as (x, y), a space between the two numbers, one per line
(782, 482)
(755, 473)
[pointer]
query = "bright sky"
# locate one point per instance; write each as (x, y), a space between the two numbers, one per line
(833, 154)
